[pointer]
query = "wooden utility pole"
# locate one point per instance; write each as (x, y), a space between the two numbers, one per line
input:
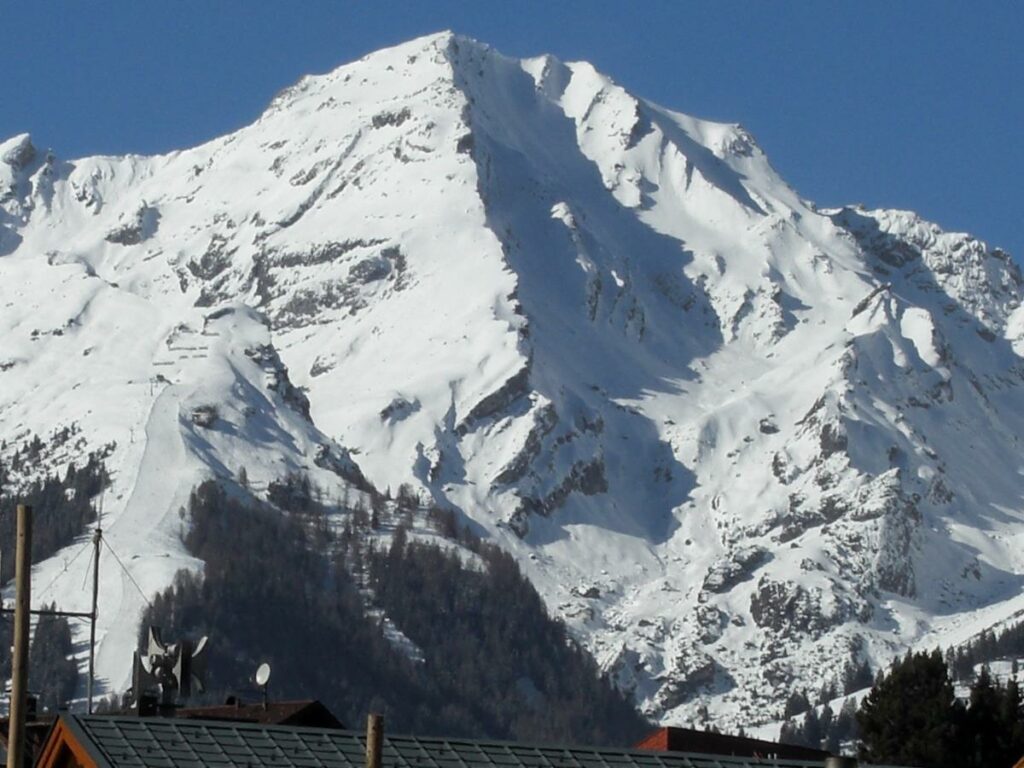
(22, 620)
(374, 740)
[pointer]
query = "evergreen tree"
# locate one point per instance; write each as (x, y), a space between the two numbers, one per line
(6, 643)
(910, 716)
(812, 730)
(1011, 717)
(53, 673)
(788, 734)
(796, 704)
(825, 720)
(982, 738)
(856, 676)
(828, 692)
(844, 727)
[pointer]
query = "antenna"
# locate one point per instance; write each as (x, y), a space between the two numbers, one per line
(173, 670)
(97, 539)
(262, 678)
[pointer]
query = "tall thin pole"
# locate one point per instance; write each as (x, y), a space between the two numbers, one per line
(374, 740)
(22, 620)
(96, 540)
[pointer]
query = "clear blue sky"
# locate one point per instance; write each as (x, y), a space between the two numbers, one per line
(905, 104)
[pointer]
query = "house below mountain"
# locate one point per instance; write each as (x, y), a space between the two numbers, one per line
(96, 741)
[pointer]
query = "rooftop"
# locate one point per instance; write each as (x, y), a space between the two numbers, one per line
(305, 712)
(674, 739)
(131, 742)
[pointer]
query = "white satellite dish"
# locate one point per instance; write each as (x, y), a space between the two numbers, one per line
(263, 674)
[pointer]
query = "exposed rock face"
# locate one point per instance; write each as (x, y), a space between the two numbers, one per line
(277, 377)
(689, 673)
(727, 434)
(786, 608)
(498, 401)
(137, 228)
(585, 477)
(727, 573)
(18, 153)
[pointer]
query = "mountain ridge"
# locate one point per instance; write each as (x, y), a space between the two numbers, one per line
(726, 434)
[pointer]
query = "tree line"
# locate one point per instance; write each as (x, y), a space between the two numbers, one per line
(518, 671)
(989, 646)
(62, 508)
(912, 716)
(282, 587)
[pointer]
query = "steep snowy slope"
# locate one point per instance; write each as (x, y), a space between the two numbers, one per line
(735, 440)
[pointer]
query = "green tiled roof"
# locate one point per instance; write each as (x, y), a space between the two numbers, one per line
(122, 742)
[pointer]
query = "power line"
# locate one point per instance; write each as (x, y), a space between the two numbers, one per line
(65, 570)
(127, 573)
(86, 574)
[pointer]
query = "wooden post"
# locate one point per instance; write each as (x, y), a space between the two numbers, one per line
(374, 740)
(22, 621)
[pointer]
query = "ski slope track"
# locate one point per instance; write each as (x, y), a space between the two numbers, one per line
(734, 439)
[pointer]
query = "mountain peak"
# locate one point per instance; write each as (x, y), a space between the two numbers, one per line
(441, 41)
(727, 435)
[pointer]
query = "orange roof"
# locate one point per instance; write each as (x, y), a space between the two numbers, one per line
(63, 750)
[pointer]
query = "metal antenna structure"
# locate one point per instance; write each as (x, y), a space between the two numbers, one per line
(168, 671)
(97, 540)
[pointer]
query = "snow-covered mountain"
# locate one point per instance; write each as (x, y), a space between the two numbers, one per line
(734, 439)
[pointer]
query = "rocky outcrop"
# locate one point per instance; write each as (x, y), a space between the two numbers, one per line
(514, 387)
(277, 379)
(215, 259)
(545, 419)
(340, 462)
(398, 409)
(585, 477)
(894, 562)
(738, 566)
(136, 227)
(19, 153)
(787, 608)
(690, 671)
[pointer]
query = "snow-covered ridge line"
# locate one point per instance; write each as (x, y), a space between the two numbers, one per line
(735, 441)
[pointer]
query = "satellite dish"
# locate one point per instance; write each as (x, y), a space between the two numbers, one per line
(263, 674)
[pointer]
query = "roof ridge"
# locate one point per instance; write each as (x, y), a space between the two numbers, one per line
(647, 757)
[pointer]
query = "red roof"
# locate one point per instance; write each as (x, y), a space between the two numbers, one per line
(708, 743)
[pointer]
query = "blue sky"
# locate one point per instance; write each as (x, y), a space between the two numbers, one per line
(905, 104)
